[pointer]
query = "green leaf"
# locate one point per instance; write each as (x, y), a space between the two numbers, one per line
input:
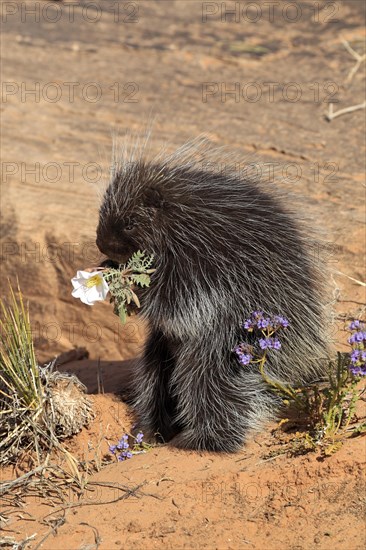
(142, 279)
(121, 281)
(122, 313)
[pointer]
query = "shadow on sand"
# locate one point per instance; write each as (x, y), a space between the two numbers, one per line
(102, 376)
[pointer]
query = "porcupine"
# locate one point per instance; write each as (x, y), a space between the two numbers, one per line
(224, 246)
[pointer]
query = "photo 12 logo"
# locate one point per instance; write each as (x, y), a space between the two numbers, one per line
(52, 12)
(270, 92)
(53, 92)
(253, 12)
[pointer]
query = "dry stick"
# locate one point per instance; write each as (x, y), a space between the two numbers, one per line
(359, 59)
(352, 278)
(126, 494)
(330, 115)
(9, 541)
(132, 491)
(24, 482)
(13, 483)
(60, 521)
(97, 538)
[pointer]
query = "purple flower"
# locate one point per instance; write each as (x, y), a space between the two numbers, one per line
(270, 343)
(245, 358)
(123, 443)
(258, 320)
(124, 448)
(357, 337)
(263, 323)
(243, 353)
(257, 313)
(358, 353)
(280, 321)
(276, 343)
(125, 455)
(358, 371)
(139, 438)
(355, 325)
(263, 342)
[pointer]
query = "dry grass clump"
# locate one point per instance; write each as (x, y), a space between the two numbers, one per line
(38, 405)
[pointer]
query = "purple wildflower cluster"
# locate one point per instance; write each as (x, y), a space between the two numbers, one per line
(266, 327)
(269, 343)
(258, 320)
(244, 353)
(358, 343)
(123, 450)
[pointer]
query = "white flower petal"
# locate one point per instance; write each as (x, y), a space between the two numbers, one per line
(81, 293)
(89, 294)
(103, 289)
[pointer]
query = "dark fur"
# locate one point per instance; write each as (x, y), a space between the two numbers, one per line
(223, 247)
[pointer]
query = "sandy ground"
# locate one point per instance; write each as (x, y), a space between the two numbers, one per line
(96, 71)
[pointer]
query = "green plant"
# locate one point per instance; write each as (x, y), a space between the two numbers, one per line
(38, 405)
(19, 374)
(122, 281)
(327, 409)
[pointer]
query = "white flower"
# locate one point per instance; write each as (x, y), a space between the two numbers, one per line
(89, 287)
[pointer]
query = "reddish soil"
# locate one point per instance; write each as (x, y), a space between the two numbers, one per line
(255, 498)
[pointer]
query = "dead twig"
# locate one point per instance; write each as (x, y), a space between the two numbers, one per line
(97, 537)
(127, 492)
(9, 542)
(331, 114)
(359, 59)
(54, 526)
(351, 278)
